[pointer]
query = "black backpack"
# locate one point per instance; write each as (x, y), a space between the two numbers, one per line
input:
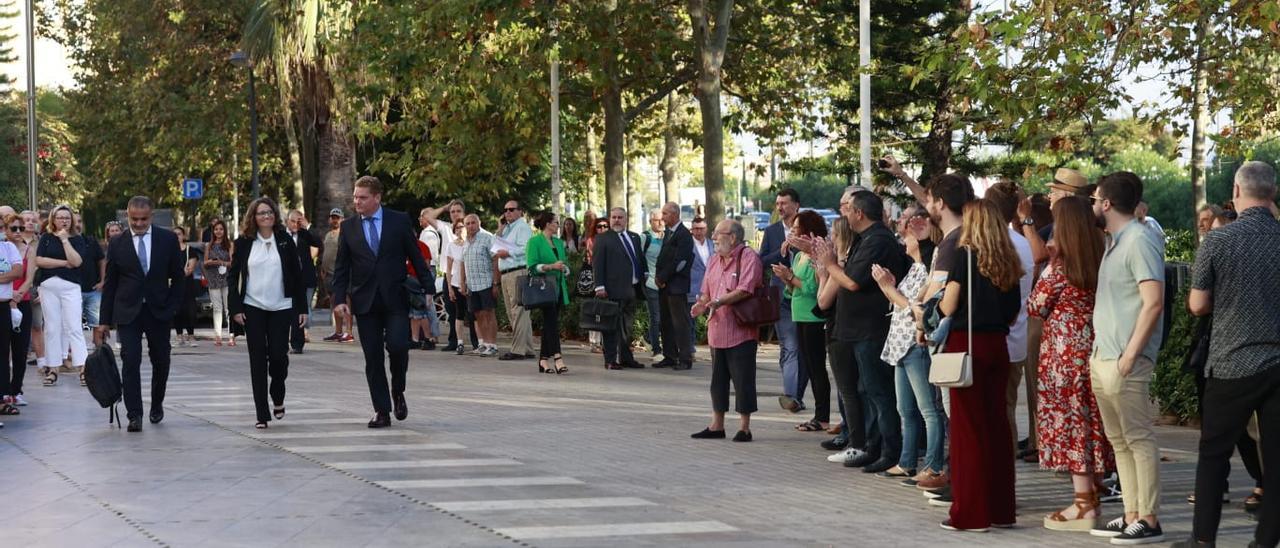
(102, 377)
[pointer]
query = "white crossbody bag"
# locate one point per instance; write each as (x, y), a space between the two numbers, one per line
(955, 369)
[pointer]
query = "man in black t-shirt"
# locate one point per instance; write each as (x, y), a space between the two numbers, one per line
(92, 268)
(864, 381)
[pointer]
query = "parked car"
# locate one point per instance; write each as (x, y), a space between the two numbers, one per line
(762, 219)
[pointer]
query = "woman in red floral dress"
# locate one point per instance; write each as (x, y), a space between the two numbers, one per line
(1069, 426)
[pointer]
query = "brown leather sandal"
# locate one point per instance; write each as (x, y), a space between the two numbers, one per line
(1084, 503)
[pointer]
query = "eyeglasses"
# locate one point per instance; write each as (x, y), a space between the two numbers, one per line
(510, 209)
(265, 213)
(601, 227)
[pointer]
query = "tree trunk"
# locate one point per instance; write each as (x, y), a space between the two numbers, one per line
(710, 38)
(1199, 116)
(614, 133)
(593, 167)
(299, 196)
(670, 149)
(337, 169)
(635, 201)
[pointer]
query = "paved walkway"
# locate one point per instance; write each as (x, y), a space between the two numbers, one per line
(493, 454)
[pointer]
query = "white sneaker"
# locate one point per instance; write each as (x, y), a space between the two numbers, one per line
(20, 401)
(656, 358)
(847, 454)
(491, 350)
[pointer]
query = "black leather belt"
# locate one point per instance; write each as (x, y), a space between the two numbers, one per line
(514, 269)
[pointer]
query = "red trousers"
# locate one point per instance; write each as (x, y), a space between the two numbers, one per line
(982, 473)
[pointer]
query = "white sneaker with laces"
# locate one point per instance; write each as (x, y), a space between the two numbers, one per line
(847, 454)
(20, 401)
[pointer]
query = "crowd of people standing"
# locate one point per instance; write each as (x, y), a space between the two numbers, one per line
(1064, 290)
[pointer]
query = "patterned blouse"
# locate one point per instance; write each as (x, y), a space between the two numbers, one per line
(902, 328)
(216, 275)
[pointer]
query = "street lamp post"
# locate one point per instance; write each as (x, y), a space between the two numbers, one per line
(32, 142)
(241, 59)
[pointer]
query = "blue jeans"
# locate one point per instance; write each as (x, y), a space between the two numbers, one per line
(875, 383)
(92, 303)
(917, 400)
(655, 320)
(794, 376)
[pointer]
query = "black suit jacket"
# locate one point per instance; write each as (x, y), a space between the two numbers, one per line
(365, 276)
(675, 261)
(126, 289)
(306, 241)
(612, 267)
(238, 274)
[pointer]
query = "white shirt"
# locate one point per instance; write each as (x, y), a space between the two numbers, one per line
(265, 290)
(10, 259)
(1017, 338)
(431, 237)
(703, 252)
(455, 269)
(146, 237)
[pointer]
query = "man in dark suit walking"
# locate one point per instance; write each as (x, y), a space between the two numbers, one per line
(619, 272)
(373, 248)
(140, 296)
(674, 263)
(309, 247)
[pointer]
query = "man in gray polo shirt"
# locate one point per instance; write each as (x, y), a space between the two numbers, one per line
(1127, 333)
(1235, 279)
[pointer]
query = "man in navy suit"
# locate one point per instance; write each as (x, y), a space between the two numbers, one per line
(703, 250)
(374, 246)
(140, 296)
(674, 263)
(774, 251)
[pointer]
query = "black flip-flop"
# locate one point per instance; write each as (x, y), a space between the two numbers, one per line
(811, 426)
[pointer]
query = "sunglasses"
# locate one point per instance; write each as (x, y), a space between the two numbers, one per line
(601, 227)
(510, 209)
(15, 228)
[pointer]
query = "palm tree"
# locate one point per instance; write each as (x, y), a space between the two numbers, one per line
(295, 37)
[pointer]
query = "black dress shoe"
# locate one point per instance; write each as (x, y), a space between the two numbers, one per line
(862, 460)
(529, 356)
(742, 436)
(612, 366)
(296, 351)
(835, 444)
(879, 466)
(709, 434)
(684, 367)
(510, 356)
(449, 348)
(401, 406)
(380, 420)
(428, 345)
(157, 415)
(135, 424)
(664, 363)
(633, 365)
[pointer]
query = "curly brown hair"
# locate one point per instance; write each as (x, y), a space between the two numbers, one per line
(986, 233)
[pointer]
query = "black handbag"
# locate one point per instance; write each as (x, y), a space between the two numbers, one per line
(537, 291)
(599, 315)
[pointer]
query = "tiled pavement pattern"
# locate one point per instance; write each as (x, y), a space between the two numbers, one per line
(493, 454)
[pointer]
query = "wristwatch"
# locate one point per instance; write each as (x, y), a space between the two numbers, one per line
(1028, 222)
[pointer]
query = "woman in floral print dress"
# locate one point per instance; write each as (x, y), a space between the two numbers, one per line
(1069, 424)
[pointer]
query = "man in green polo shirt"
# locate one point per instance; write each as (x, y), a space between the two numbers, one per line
(1127, 333)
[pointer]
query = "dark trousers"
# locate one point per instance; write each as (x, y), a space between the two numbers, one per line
(1246, 446)
(617, 343)
(981, 446)
(267, 336)
(6, 335)
(158, 348)
(19, 342)
(736, 364)
(297, 335)
(186, 317)
(384, 328)
(457, 311)
(676, 345)
(550, 330)
(858, 427)
(879, 399)
(813, 357)
(1228, 404)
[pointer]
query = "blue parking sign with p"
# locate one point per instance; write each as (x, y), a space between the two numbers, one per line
(192, 189)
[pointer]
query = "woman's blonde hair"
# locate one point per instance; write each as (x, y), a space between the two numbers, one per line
(49, 226)
(984, 231)
(841, 237)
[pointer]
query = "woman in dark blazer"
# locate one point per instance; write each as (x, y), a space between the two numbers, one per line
(266, 295)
